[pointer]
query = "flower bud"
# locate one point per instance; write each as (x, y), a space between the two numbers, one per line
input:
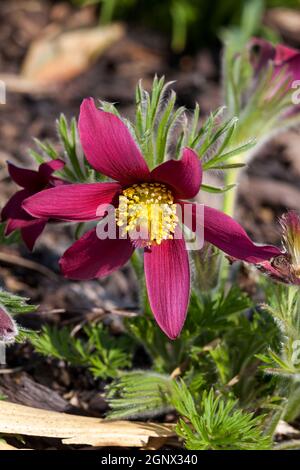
(286, 267)
(8, 328)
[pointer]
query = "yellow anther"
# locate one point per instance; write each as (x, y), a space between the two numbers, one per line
(147, 213)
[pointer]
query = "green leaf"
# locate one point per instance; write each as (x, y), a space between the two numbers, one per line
(215, 190)
(218, 424)
(97, 350)
(139, 394)
(15, 304)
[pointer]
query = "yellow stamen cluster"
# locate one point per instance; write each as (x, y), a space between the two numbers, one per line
(147, 213)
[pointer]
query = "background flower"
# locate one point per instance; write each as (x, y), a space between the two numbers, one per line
(284, 59)
(32, 182)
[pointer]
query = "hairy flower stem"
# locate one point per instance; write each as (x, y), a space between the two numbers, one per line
(292, 408)
(231, 177)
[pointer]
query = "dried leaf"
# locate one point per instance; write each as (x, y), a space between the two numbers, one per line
(23, 420)
(285, 429)
(284, 20)
(5, 446)
(59, 56)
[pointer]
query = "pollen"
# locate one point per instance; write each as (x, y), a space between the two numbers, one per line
(147, 213)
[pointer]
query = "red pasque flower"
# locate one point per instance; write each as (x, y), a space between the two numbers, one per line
(8, 328)
(282, 57)
(111, 150)
(285, 268)
(32, 182)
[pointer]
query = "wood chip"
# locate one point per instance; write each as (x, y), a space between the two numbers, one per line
(80, 430)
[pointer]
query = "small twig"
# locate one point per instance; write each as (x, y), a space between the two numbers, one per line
(178, 371)
(11, 370)
(90, 314)
(24, 263)
(233, 381)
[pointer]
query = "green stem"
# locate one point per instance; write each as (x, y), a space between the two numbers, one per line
(231, 177)
(107, 11)
(292, 408)
(229, 201)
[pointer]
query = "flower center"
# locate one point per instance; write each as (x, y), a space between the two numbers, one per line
(147, 213)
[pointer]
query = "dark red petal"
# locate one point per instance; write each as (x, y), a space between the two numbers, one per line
(225, 233)
(48, 168)
(25, 178)
(90, 257)
(16, 224)
(74, 202)
(109, 146)
(167, 274)
(14, 213)
(31, 232)
(184, 176)
(293, 67)
(261, 53)
(228, 235)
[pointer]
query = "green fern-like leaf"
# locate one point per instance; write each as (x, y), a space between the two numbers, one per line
(139, 394)
(218, 425)
(98, 351)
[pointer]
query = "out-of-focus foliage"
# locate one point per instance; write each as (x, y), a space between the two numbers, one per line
(189, 22)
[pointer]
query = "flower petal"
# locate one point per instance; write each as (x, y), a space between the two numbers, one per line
(16, 224)
(261, 52)
(184, 176)
(167, 274)
(228, 235)
(34, 180)
(225, 233)
(31, 232)
(74, 202)
(25, 178)
(13, 212)
(109, 146)
(284, 53)
(46, 169)
(293, 67)
(90, 257)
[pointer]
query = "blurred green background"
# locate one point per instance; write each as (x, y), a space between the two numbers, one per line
(189, 23)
